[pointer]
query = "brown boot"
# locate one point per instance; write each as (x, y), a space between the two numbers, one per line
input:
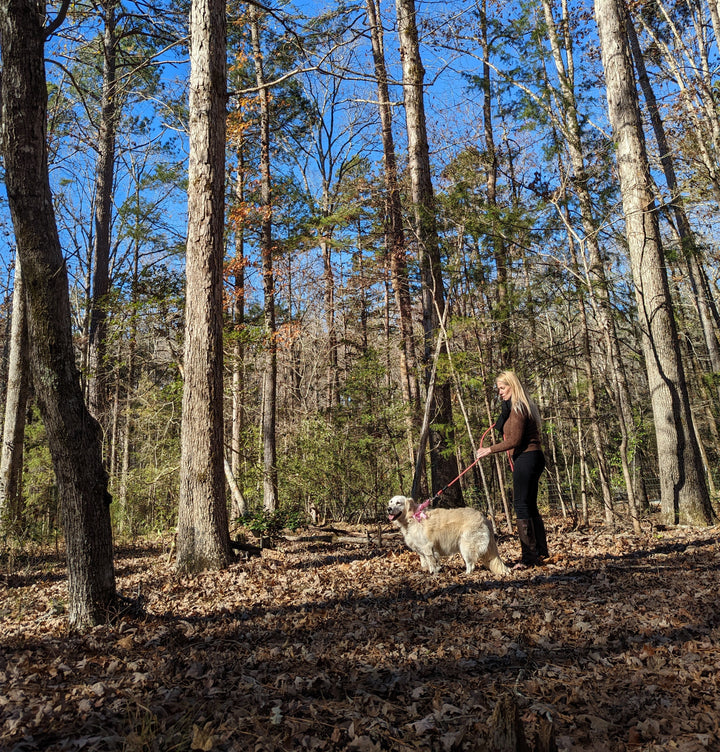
(528, 544)
(540, 536)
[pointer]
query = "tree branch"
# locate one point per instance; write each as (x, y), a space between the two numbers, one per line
(52, 27)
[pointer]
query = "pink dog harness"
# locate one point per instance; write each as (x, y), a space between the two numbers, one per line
(419, 514)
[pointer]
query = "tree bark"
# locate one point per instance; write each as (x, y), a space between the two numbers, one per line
(126, 420)
(333, 379)
(501, 288)
(16, 396)
(684, 494)
(73, 434)
(707, 311)
(270, 479)
(594, 267)
(97, 379)
(203, 535)
(238, 349)
(443, 462)
(397, 251)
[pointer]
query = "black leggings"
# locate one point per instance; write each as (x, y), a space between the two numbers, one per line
(527, 469)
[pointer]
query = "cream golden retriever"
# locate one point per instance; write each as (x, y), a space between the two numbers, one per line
(444, 532)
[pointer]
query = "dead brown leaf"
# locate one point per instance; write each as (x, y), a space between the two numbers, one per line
(336, 644)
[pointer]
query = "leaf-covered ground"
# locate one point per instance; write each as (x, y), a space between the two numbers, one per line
(326, 644)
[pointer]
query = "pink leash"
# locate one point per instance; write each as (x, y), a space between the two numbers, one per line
(419, 513)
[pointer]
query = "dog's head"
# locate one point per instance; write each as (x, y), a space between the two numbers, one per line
(397, 507)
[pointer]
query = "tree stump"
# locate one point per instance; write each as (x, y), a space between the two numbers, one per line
(545, 736)
(506, 728)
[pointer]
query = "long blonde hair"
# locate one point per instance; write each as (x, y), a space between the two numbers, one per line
(518, 396)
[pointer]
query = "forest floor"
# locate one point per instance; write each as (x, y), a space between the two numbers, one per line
(340, 643)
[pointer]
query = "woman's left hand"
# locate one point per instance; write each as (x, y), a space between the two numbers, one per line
(483, 452)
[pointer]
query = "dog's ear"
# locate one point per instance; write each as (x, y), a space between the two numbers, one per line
(410, 504)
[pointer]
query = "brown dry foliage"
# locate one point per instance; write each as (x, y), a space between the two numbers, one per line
(338, 645)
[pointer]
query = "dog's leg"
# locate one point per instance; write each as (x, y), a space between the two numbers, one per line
(437, 566)
(469, 552)
(425, 563)
(429, 558)
(434, 565)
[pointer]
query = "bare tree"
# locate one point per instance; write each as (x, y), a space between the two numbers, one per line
(568, 120)
(443, 463)
(683, 490)
(238, 503)
(706, 308)
(270, 482)
(13, 435)
(73, 434)
(203, 536)
(395, 234)
(501, 288)
(105, 171)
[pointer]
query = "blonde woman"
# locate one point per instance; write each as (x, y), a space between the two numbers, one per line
(520, 425)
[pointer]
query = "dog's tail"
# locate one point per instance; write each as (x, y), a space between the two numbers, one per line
(492, 558)
(497, 566)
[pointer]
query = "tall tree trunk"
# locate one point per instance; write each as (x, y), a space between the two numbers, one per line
(595, 429)
(597, 433)
(714, 7)
(684, 494)
(270, 480)
(97, 380)
(707, 312)
(16, 396)
(238, 349)
(203, 539)
(333, 381)
(501, 288)
(597, 282)
(442, 461)
(127, 417)
(73, 434)
(397, 251)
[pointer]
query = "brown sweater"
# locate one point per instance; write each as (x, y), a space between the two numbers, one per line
(520, 434)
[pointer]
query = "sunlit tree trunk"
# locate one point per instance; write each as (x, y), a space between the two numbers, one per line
(203, 539)
(684, 494)
(266, 251)
(16, 396)
(443, 462)
(397, 252)
(126, 432)
(501, 287)
(587, 364)
(238, 508)
(707, 312)
(598, 287)
(714, 7)
(73, 434)
(97, 380)
(333, 381)
(595, 428)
